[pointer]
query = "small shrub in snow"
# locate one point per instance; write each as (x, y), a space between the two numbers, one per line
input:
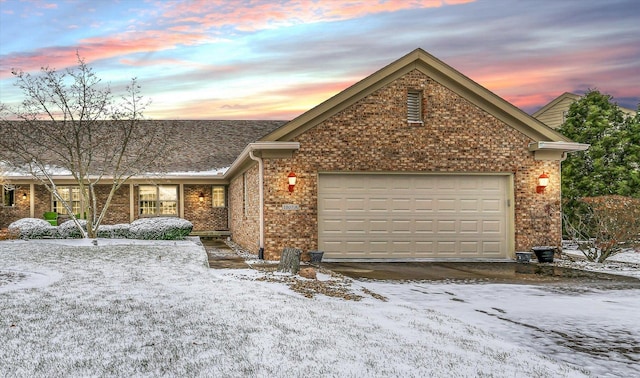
(116, 231)
(33, 228)
(69, 230)
(160, 228)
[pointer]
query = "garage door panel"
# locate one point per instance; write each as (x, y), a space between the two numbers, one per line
(446, 226)
(492, 205)
(469, 205)
(400, 204)
(491, 249)
(469, 248)
(469, 226)
(394, 216)
(446, 205)
(424, 205)
(354, 204)
(401, 226)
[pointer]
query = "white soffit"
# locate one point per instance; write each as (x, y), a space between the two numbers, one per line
(558, 146)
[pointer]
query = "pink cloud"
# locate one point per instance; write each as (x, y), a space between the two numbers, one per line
(258, 15)
(531, 83)
(98, 48)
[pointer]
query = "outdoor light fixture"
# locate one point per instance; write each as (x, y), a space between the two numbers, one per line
(292, 179)
(201, 197)
(24, 196)
(543, 182)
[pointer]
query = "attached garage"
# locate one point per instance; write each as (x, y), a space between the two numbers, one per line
(414, 215)
(416, 161)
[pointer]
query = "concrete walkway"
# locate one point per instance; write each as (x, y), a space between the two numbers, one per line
(221, 256)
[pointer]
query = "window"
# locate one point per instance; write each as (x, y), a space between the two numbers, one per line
(414, 107)
(8, 193)
(71, 195)
(158, 200)
(219, 196)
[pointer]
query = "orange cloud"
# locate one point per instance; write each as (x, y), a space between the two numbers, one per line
(279, 104)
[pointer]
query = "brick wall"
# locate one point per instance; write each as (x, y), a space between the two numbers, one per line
(118, 211)
(373, 136)
(20, 209)
(201, 213)
(244, 216)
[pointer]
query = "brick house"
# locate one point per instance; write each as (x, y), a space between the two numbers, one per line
(416, 161)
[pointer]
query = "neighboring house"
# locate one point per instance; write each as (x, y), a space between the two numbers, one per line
(416, 161)
(555, 113)
(193, 188)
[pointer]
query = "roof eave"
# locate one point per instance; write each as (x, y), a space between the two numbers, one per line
(558, 146)
(264, 149)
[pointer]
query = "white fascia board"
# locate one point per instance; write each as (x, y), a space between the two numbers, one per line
(558, 146)
(260, 146)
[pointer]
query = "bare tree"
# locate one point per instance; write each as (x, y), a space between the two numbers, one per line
(606, 226)
(69, 123)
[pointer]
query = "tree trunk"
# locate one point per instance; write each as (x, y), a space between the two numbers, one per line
(290, 260)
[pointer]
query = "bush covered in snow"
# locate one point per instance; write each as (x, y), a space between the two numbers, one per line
(160, 228)
(146, 228)
(33, 228)
(117, 231)
(69, 230)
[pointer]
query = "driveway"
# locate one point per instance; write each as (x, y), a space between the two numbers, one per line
(588, 319)
(482, 272)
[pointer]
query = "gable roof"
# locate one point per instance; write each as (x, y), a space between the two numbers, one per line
(570, 98)
(565, 96)
(439, 71)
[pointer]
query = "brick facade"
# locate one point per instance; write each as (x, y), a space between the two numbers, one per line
(244, 200)
(202, 214)
(373, 135)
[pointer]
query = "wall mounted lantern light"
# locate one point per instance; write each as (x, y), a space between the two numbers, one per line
(292, 179)
(543, 182)
(201, 197)
(24, 196)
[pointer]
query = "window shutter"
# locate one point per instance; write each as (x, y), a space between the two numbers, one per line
(414, 107)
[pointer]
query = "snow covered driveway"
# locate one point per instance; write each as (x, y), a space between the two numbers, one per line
(597, 330)
(154, 308)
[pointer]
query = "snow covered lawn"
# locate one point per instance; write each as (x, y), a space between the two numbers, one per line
(140, 308)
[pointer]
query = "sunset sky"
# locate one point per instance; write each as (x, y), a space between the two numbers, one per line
(258, 59)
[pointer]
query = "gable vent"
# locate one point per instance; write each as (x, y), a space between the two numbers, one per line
(414, 107)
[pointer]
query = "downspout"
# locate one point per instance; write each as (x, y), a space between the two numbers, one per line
(261, 205)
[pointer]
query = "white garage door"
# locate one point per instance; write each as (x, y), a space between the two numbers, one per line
(413, 216)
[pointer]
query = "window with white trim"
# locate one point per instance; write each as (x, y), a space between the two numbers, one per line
(218, 195)
(70, 195)
(414, 107)
(158, 200)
